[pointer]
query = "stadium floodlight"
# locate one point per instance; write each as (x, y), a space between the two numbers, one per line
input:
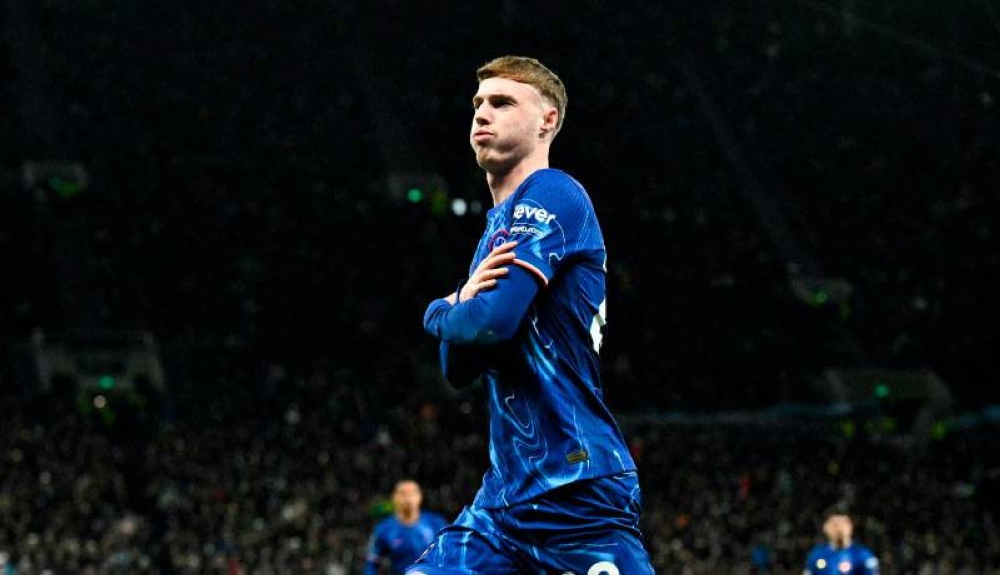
(65, 179)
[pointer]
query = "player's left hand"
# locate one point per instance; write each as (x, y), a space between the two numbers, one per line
(491, 269)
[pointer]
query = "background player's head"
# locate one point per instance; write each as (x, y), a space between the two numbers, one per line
(838, 527)
(407, 498)
(519, 108)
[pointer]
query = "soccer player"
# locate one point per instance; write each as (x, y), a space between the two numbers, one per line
(561, 494)
(398, 540)
(840, 555)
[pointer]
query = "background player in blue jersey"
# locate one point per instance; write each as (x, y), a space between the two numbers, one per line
(399, 539)
(561, 494)
(840, 555)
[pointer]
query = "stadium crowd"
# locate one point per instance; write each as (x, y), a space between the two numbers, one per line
(233, 482)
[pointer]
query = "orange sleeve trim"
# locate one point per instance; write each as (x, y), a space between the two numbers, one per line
(533, 269)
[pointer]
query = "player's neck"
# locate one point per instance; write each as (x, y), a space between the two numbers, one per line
(408, 518)
(503, 183)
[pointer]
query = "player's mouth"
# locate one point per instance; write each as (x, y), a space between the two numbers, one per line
(480, 136)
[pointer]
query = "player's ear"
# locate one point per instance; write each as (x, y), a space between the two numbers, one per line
(550, 121)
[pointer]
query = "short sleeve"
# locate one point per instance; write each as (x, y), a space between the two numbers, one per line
(439, 522)
(375, 550)
(810, 563)
(553, 222)
(871, 562)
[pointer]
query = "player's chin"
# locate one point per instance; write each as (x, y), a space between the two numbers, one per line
(494, 160)
(485, 159)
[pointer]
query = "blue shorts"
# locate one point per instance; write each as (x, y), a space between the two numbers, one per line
(585, 528)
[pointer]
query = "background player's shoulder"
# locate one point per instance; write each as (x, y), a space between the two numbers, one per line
(436, 519)
(385, 523)
(869, 558)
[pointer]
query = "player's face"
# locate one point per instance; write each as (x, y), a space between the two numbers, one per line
(407, 497)
(838, 528)
(508, 123)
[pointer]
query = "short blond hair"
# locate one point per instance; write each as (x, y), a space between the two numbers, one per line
(533, 73)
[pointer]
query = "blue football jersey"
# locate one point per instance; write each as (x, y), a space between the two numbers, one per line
(400, 545)
(855, 559)
(549, 425)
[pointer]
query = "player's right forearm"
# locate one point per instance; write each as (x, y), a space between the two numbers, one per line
(466, 323)
(489, 318)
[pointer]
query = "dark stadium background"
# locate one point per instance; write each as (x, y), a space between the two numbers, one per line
(221, 223)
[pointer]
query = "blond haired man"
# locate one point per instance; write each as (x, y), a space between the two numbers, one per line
(562, 493)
